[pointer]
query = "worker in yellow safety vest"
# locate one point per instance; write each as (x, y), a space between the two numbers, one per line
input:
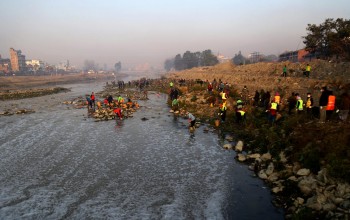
(300, 104)
(307, 70)
(240, 116)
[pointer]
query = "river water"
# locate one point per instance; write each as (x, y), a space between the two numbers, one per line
(57, 163)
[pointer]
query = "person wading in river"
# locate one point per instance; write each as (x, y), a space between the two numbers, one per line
(92, 97)
(192, 121)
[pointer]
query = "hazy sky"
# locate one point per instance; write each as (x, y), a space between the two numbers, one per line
(149, 31)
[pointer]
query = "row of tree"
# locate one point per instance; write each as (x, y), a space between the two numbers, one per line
(329, 39)
(189, 60)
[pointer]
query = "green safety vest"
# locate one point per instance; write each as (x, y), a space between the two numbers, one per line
(300, 104)
(242, 112)
(175, 102)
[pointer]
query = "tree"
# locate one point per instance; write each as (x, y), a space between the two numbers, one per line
(118, 66)
(190, 60)
(208, 59)
(238, 59)
(178, 63)
(331, 38)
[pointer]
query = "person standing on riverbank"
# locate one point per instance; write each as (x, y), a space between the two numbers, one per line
(89, 103)
(300, 104)
(308, 70)
(285, 71)
(309, 104)
(292, 102)
(323, 104)
(222, 113)
(175, 105)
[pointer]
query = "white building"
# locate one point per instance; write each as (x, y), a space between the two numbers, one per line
(35, 65)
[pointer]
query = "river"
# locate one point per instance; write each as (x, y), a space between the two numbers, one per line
(57, 163)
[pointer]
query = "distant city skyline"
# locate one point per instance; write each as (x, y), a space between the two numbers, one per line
(138, 33)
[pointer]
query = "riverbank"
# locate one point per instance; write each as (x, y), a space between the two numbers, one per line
(305, 162)
(19, 87)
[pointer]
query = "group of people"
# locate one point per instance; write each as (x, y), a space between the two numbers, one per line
(305, 73)
(117, 104)
(324, 111)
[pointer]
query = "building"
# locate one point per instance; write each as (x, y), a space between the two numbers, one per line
(255, 57)
(5, 65)
(222, 58)
(35, 65)
(18, 61)
(294, 56)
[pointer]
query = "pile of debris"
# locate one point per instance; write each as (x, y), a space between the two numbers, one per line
(21, 111)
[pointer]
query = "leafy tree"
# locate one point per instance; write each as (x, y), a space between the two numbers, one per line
(190, 60)
(118, 66)
(178, 63)
(331, 38)
(208, 59)
(238, 59)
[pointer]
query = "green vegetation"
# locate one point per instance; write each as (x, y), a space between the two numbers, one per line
(190, 60)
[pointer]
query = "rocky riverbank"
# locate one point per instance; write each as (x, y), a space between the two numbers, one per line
(304, 162)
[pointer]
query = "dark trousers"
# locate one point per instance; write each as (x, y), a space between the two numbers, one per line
(193, 123)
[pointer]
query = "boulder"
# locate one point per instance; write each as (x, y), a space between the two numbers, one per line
(266, 156)
(273, 177)
(296, 167)
(300, 200)
(313, 204)
(337, 201)
(277, 189)
(293, 178)
(303, 172)
(307, 185)
(321, 198)
(229, 138)
(239, 146)
(227, 146)
(241, 157)
(262, 174)
(270, 169)
(283, 158)
(329, 207)
(253, 156)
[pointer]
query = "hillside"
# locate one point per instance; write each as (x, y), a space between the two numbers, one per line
(267, 76)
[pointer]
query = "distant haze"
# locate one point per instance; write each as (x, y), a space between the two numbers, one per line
(146, 32)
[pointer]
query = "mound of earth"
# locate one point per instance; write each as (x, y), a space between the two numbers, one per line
(268, 76)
